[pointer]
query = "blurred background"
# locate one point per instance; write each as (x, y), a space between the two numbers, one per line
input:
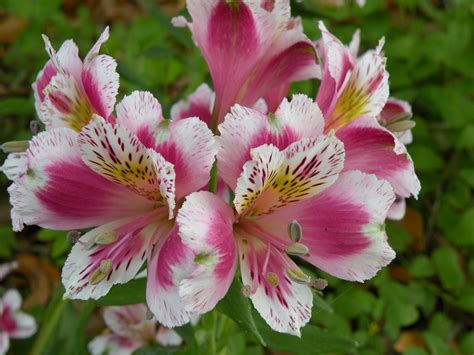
(423, 303)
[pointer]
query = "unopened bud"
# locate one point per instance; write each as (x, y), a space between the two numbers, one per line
(298, 276)
(297, 249)
(272, 279)
(73, 236)
(295, 231)
(34, 127)
(106, 238)
(246, 290)
(14, 146)
(319, 284)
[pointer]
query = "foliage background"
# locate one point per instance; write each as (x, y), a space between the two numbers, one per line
(423, 303)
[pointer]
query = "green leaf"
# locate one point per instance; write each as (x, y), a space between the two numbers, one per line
(421, 266)
(313, 340)
(448, 268)
(132, 292)
(238, 308)
(463, 232)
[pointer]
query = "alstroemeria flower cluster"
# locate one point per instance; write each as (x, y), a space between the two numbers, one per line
(130, 328)
(297, 179)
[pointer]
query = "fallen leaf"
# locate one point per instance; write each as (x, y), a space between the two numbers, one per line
(409, 338)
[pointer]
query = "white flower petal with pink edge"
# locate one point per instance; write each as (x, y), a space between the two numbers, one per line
(113, 344)
(15, 166)
(171, 262)
(244, 129)
(343, 226)
(205, 226)
(17, 324)
(60, 192)
(284, 304)
(375, 150)
(168, 337)
(110, 254)
(118, 155)
(191, 148)
(140, 113)
(274, 179)
(188, 144)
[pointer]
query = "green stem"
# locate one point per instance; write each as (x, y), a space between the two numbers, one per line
(212, 187)
(48, 327)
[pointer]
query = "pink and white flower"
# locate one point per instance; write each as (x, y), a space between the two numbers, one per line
(251, 48)
(129, 328)
(123, 179)
(286, 174)
(13, 322)
(69, 91)
(353, 98)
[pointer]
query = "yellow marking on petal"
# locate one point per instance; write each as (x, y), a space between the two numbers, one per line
(272, 279)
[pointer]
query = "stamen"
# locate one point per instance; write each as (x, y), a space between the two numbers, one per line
(14, 146)
(319, 284)
(35, 127)
(272, 279)
(106, 238)
(297, 249)
(298, 276)
(73, 236)
(101, 272)
(295, 231)
(149, 314)
(246, 290)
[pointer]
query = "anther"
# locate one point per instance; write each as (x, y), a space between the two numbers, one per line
(295, 231)
(297, 249)
(246, 290)
(106, 238)
(298, 276)
(73, 236)
(272, 279)
(35, 127)
(14, 146)
(319, 284)
(149, 314)
(101, 272)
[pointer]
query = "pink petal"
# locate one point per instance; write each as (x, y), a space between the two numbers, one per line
(140, 113)
(186, 143)
(274, 96)
(337, 63)
(244, 129)
(60, 192)
(12, 299)
(101, 82)
(171, 262)
(25, 326)
(113, 344)
(284, 304)
(118, 155)
(364, 92)
(374, 150)
(198, 104)
(205, 226)
(391, 110)
(397, 210)
(343, 226)
(134, 239)
(130, 321)
(274, 179)
(275, 51)
(191, 148)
